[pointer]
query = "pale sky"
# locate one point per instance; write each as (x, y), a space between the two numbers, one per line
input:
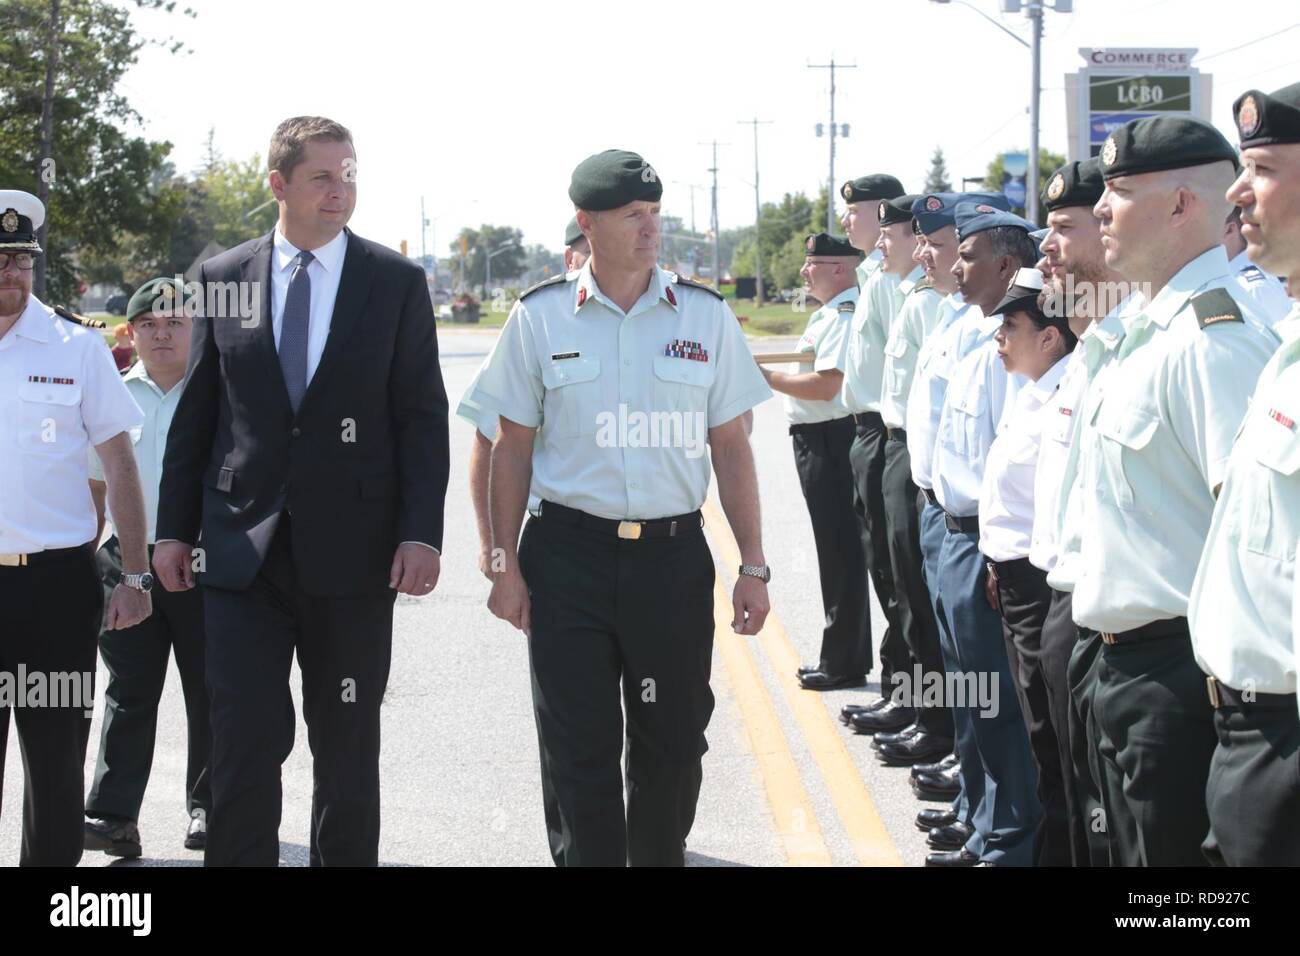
(485, 107)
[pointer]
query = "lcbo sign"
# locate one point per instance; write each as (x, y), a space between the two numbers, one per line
(1119, 85)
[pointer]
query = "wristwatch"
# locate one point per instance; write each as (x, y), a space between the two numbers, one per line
(142, 582)
(760, 571)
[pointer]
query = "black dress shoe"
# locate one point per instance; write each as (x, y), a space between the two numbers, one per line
(962, 857)
(820, 680)
(914, 750)
(936, 786)
(951, 837)
(947, 763)
(911, 730)
(931, 817)
(848, 711)
(890, 718)
(806, 669)
(114, 837)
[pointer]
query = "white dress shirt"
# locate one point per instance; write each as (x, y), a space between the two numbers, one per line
(60, 393)
(324, 271)
(1007, 496)
(935, 363)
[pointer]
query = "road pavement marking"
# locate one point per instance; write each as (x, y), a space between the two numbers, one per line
(796, 824)
(857, 811)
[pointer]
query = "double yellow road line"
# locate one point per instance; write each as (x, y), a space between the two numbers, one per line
(796, 823)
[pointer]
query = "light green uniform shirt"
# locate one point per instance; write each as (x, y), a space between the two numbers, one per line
(918, 317)
(864, 368)
(1154, 445)
(826, 341)
(1240, 607)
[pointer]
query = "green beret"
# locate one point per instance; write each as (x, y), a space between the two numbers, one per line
(823, 244)
(612, 179)
(161, 290)
(896, 209)
(571, 232)
(1264, 119)
(875, 186)
(1156, 143)
(1075, 184)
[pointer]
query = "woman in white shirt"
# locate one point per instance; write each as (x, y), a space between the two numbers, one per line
(1037, 346)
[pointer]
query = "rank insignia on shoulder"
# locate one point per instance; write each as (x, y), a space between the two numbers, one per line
(1215, 306)
(926, 283)
(1252, 273)
(553, 280)
(682, 280)
(71, 316)
(848, 306)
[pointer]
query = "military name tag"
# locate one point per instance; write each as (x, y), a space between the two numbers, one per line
(558, 356)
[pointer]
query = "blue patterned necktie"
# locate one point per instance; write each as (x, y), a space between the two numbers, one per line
(293, 330)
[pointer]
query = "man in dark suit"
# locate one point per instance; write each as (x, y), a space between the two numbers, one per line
(310, 452)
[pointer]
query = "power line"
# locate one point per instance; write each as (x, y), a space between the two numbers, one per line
(1234, 49)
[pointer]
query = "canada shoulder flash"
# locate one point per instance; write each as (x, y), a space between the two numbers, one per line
(1215, 306)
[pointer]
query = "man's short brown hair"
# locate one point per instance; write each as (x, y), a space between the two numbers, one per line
(291, 136)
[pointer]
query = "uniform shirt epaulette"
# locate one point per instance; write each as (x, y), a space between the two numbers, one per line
(1215, 306)
(848, 306)
(926, 283)
(682, 280)
(63, 313)
(1252, 273)
(553, 280)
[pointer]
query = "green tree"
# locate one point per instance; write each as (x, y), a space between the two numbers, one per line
(937, 180)
(97, 177)
(1048, 163)
(478, 242)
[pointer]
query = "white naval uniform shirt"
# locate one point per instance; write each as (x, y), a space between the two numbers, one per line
(622, 423)
(826, 340)
(956, 332)
(60, 393)
(1059, 425)
(917, 319)
(978, 392)
(149, 439)
(1241, 602)
(1007, 505)
(1154, 445)
(864, 365)
(1264, 289)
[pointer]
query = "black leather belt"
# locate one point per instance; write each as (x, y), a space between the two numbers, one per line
(896, 434)
(953, 523)
(868, 419)
(929, 496)
(1013, 570)
(48, 556)
(1173, 627)
(818, 426)
(1221, 696)
(627, 530)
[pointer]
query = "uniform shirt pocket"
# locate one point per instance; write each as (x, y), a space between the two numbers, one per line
(965, 415)
(572, 400)
(1272, 528)
(1126, 463)
(49, 417)
(681, 385)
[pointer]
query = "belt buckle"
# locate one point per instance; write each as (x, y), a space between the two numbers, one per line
(1212, 689)
(629, 530)
(13, 560)
(1107, 638)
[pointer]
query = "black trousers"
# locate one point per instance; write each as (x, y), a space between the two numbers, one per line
(1155, 742)
(344, 647)
(821, 456)
(1081, 674)
(52, 613)
(136, 659)
(1056, 647)
(1253, 792)
(914, 608)
(1024, 599)
(604, 611)
(867, 459)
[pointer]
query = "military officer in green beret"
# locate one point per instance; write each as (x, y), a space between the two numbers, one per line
(1158, 423)
(861, 220)
(822, 432)
(615, 386)
(60, 394)
(160, 318)
(1240, 603)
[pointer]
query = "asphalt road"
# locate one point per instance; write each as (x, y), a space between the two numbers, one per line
(784, 782)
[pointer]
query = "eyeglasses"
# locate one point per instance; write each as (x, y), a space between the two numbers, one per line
(23, 260)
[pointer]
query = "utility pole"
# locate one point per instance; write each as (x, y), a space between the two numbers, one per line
(758, 212)
(695, 249)
(830, 181)
(47, 144)
(717, 278)
(1034, 11)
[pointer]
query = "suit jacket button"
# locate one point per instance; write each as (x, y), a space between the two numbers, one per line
(296, 432)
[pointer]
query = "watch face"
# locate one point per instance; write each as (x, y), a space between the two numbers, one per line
(146, 581)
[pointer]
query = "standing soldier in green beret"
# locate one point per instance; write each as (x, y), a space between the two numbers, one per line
(613, 580)
(1158, 424)
(60, 394)
(1240, 604)
(160, 318)
(822, 432)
